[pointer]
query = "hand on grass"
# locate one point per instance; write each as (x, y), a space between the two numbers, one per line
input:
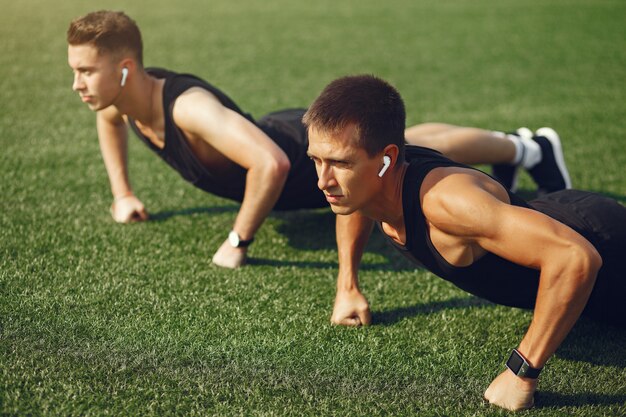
(351, 309)
(128, 209)
(511, 392)
(229, 257)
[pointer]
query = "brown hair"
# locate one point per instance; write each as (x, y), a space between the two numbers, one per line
(372, 104)
(108, 31)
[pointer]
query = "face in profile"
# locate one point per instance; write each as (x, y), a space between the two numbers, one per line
(346, 174)
(96, 76)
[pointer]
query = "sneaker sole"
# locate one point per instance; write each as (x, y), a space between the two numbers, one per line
(554, 139)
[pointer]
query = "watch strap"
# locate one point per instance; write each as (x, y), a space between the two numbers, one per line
(245, 243)
(518, 364)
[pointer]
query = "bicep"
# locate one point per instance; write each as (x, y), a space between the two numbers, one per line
(200, 114)
(527, 237)
(480, 217)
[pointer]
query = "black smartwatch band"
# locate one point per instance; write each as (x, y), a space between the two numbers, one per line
(520, 366)
(245, 243)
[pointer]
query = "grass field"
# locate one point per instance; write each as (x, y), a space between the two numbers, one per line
(102, 319)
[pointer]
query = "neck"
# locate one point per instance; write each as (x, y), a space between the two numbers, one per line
(387, 207)
(137, 100)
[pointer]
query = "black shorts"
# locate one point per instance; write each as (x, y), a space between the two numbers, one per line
(286, 129)
(602, 221)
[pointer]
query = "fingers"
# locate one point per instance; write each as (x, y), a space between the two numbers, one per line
(355, 320)
(347, 321)
(366, 318)
(128, 209)
(510, 392)
(139, 215)
(129, 217)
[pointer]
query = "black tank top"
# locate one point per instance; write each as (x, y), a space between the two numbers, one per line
(300, 189)
(597, 218)
(491, 277)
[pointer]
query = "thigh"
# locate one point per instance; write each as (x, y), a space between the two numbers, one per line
(427, 129)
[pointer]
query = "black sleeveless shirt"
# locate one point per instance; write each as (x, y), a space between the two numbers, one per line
(491, 277)
(300, 190)
(601, 220)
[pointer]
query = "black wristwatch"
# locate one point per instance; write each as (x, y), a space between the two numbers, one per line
(520, 366)
(236, 242)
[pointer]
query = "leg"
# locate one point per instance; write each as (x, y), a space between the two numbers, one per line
(424, 129)
(466, 145)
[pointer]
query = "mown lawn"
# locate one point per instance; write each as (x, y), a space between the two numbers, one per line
(102, 319)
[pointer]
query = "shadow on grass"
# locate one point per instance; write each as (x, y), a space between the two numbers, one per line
(299, 264)
(596, 343)
(308, 229)
(547, 399)
(313, 230)
(389, 317)
(589, 341)
(380, 266)
(165, 215)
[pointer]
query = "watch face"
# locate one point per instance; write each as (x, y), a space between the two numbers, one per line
(233, 238)
(520, 366)
(515, 362)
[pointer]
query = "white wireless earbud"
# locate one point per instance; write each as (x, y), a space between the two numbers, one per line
(386, 163)
(124, 75)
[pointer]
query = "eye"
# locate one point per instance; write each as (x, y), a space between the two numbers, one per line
(340, 163)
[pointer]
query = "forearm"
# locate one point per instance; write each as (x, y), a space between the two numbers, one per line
(352, 233)
(114, 150)
(118, 179)
(351, 307)
(263, 188)
(561, 298)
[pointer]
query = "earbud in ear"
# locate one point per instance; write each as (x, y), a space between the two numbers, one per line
(124, 75)
(386, 163)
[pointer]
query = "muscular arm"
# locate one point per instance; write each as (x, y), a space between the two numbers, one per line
(466, 207)
(351, 307)
(113, 137)
(201, 115)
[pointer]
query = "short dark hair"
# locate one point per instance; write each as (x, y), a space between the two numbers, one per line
(108, 31)
(370, 103)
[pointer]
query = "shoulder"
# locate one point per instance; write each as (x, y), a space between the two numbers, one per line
(196, 105)
(195, 96)
(460, 199)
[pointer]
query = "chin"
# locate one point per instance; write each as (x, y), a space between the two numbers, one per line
(94, 106)
(342, 210)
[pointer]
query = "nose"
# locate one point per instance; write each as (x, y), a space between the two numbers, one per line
(325, 176)
(77, 84)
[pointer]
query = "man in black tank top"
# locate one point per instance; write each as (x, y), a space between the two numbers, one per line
(201, 133)
(560, 255)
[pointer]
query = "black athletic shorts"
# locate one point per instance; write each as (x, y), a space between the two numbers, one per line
(286, 129)
(602, 221)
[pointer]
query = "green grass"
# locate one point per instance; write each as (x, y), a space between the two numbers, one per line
(102, 319)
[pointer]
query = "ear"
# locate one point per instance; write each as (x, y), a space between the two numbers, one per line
(392, 152)
(129, 64)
